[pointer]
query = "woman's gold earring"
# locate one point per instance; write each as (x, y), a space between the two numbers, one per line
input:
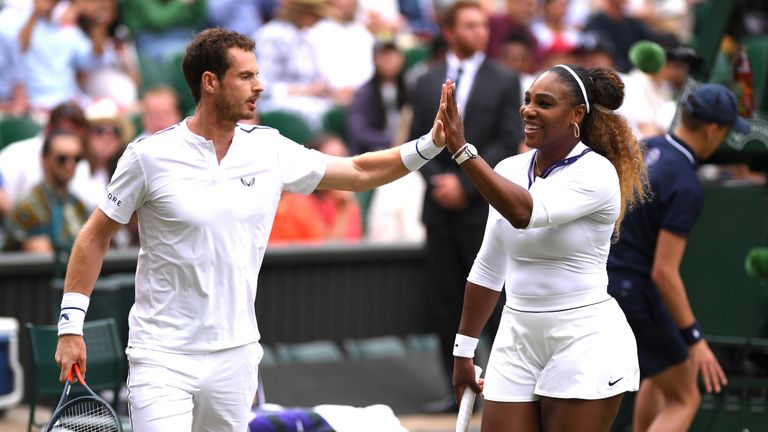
(576, 130)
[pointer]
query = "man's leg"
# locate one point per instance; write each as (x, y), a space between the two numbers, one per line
(680, 395)
(227, 390)
(649, 402)
(160, 390)
(446, 281)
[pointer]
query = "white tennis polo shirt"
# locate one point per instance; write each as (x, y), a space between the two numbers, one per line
(203, 228)
(559, 260)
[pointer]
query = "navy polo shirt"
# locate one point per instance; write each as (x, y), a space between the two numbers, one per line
(675, 205)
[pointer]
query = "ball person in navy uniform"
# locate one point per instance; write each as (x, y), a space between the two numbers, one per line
(644, 265)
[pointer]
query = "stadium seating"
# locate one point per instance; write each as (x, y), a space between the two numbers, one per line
(309, 352)
(289, 124)
(382, 346)
(335, 121)
(14, 129)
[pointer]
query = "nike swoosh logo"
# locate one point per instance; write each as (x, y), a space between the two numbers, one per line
(612, 383)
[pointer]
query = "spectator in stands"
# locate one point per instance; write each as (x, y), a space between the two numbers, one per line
(553, 34)
(5, 208)
(242, 16)
(108, 134)
(20, 161)
(296, 221)
(519, 16)
(288, 62)
(50, 216)
(349, 68)
(373, 118)
(594, 50)
(420, 18)
(517, 53)
(454, 211)
(54, 52)
(159, 110)
(394, 212)
(119, 78)
(624, 30)
(5, 202)
(162, 28)
(383, 18)
(339, 210)
(13, 91)
(438, 47)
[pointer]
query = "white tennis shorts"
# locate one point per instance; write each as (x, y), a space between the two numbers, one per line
(587, 352)
(192, 392)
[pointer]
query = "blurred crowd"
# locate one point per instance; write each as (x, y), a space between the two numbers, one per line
(97, 74)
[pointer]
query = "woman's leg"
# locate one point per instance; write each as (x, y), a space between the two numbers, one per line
(510, 417)
(579, 415)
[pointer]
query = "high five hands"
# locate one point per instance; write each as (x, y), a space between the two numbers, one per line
(448, 128)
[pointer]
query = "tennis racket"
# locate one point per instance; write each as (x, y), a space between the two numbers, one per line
(89, 413)
(466, 405)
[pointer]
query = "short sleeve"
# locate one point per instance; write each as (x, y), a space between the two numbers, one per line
(127, 190)
(681, 208)
(301, 169)
(490, 267)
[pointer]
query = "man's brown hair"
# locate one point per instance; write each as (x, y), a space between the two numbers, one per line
(209, 52)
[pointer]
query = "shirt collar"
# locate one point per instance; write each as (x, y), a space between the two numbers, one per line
(469, 64)
(683, 148)
(579, 150)
(190, 136)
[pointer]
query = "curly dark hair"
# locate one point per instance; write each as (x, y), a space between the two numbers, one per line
(208, 52)
(609, 133)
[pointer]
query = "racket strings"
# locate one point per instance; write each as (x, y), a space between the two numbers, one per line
(86, 415)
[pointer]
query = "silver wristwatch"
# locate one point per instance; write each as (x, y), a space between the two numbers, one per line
(467, 151)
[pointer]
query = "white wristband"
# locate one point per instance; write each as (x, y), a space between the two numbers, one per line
(418, 152)
(464, 346)
(72, 315)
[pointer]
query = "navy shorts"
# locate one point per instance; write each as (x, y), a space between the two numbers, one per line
(659, 343)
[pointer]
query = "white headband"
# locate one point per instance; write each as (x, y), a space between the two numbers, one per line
(578, 80)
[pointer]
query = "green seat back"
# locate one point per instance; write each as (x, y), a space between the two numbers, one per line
(14, 129)
(335, 121)
(290, 125)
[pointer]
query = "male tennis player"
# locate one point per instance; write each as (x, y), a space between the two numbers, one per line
(206, 191)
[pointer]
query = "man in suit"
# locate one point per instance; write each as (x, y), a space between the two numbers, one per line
(454, 212)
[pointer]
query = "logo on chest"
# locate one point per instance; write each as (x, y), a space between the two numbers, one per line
(248, 183)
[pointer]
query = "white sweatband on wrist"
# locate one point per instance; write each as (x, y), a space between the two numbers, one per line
(464, 346)
(72, 315)
(418, 152)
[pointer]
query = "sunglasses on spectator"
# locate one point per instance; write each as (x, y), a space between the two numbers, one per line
(105, 129)
(62, 159)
